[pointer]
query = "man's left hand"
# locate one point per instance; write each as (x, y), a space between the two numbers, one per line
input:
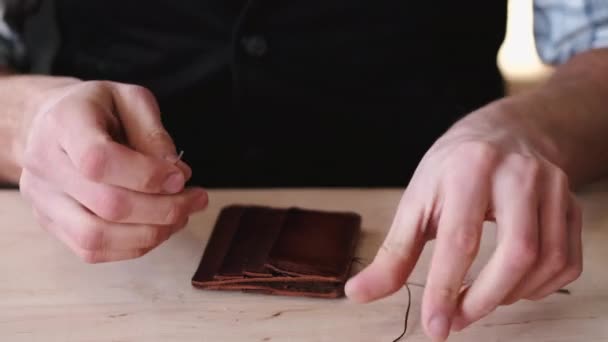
(490, 166)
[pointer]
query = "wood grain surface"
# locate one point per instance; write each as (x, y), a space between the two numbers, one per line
(47, 294)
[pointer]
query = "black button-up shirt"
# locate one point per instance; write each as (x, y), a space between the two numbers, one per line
(297, 93)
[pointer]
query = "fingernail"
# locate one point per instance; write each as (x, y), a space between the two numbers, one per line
(174, 158)
(174, 182)
(439, 327)
(349, 291)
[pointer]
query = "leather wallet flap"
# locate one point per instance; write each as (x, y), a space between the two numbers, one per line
(315, 243)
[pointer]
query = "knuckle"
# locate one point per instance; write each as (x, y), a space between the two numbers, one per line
(470, 161)
(111, 205)
(138, 92)
(152, 182)
(152, 236)
(395, 280)
(477, 309)
(396, 249)
(157, 134)
(522, 173)
(445, 294)
(96, 83)
(141, 94)
(557, 260)
(482, 309)
(92, 163)
(524, 254)
(175, 213)
(90, 239)
(154, 178)
(466, 242)
(54, 118)
(89, 257)
(478, 153)
(98, 86)
(526, 170)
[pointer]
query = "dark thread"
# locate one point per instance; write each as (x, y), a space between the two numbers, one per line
(407, 313)
(360, 261)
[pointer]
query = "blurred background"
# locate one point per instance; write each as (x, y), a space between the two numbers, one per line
(517, 59)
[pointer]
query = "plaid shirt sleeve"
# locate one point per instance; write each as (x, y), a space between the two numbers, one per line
(12, 16)
(563, 28)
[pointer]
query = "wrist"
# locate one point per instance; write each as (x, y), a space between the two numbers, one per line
(529, 115)
(515, 121)
(21, 97)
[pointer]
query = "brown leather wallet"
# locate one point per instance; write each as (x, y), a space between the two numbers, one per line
(291, 252)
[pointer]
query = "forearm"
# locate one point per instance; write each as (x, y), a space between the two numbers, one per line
(568, 116)
(16, 92)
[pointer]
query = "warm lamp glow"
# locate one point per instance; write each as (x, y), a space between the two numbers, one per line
(517, 57)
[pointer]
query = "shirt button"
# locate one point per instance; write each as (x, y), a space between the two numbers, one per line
(255, 46)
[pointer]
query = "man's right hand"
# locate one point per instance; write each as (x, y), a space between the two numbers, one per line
(101, 172)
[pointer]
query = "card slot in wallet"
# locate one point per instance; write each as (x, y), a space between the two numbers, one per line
(219, 242)
(292, 251)
(255, 237)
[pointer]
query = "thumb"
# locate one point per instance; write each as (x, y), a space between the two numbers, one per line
(140, 116)
(394, 261)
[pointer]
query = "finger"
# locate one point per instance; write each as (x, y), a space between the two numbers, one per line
(516, 206)
(84, 136)
(96, 256)
(574, 267)
(119, 205)
(395, 259)
(88, 232)
(122, 206)
(114, 164)
(141, 118)
(185, 168)
(553, 252)
(458, 235)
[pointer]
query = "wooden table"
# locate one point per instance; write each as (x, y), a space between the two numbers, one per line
(47, 294)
